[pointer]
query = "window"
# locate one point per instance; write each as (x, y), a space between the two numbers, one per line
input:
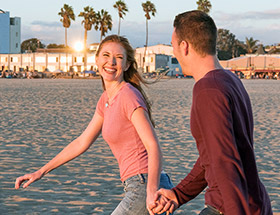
(79, 59)
(26, 59)
(52, 59)
(40, 59)
(12, 21)
(91, 59)
(174, 60)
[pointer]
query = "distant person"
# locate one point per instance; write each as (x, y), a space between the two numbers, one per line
(222, 125)
(123, 115)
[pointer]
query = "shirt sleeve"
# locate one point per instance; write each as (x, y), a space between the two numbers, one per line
(213, 111)
(132, 100)
(193, 184)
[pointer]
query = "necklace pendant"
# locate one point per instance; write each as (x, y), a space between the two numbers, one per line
(106, 105)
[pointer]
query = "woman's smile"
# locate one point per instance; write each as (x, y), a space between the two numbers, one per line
(112, 62)
(109, 70)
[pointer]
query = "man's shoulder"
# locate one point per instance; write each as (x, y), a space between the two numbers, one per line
(217, 79)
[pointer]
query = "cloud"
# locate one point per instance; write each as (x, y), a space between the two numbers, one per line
(263, 26)
(249, 15)
(158, 32)
(44, 23)
(51, 32)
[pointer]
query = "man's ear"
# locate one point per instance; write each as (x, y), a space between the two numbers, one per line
(184, 45)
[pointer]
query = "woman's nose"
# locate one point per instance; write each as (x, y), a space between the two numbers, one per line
(112, 61)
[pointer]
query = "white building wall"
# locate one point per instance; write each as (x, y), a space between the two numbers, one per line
(150, 53)
(46, 61)
(4, 32)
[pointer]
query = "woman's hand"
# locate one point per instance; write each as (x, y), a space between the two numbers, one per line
(150, 203)
(166, 202)
(30, 178)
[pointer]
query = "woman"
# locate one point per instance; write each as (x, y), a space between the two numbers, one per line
(124, 118)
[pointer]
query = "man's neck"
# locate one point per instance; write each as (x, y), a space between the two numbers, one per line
(203, 65)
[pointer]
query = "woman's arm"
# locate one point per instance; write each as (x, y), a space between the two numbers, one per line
(146, 132)
(71, 151)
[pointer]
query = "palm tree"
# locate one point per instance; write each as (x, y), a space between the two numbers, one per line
(103, 22)
(89, 20)
(148, 8)
(204, 5)
(250, 45)
(67, 14)
(122, 9)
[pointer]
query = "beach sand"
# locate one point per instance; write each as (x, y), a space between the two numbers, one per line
(40, 117)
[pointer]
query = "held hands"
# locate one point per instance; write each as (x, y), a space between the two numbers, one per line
(164, 201)
(30, 178)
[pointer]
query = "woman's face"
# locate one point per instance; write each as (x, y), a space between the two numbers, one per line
(112, 62)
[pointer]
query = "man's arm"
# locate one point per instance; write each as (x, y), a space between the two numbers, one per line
(213, 113)
(192, 185)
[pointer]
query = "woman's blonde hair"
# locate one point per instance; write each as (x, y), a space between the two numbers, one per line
(131, 75)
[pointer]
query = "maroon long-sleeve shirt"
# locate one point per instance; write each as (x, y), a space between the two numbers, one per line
(222, 125)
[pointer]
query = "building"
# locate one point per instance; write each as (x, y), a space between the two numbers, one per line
(254, 66)
(10, 33)
(43, 61)
(157, 57)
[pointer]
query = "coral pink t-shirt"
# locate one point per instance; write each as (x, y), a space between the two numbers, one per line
(119, 132)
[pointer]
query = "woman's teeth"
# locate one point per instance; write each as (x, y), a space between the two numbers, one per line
(109, 70)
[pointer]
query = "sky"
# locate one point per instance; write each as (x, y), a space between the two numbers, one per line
(259, 19)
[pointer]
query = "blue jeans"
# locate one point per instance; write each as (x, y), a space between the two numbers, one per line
(210, 211)
(134, 201)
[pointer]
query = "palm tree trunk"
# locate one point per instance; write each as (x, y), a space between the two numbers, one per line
(146, 44)
(66, 49)
(65, 37)
(85, 52)
(119, 26)
(101, 32)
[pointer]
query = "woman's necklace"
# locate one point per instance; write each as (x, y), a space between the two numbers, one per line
(113, 93)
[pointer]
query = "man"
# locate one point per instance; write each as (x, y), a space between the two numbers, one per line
(222, 125)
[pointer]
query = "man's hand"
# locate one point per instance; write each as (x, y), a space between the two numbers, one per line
(166, 201)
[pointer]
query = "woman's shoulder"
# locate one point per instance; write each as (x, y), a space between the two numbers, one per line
(130, 90)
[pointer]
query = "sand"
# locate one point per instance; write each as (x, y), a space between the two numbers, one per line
(40, 117)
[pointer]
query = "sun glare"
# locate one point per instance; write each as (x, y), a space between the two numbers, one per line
(79, 46)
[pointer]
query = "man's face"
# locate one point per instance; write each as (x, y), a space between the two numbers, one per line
(178, 50)
(175, 45)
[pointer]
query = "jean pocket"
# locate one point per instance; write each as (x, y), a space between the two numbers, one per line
(165, 181)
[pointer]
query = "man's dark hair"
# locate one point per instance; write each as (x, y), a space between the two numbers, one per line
(197, 28)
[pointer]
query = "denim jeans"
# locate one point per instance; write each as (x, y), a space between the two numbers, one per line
(209, 210)
(134, 201)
